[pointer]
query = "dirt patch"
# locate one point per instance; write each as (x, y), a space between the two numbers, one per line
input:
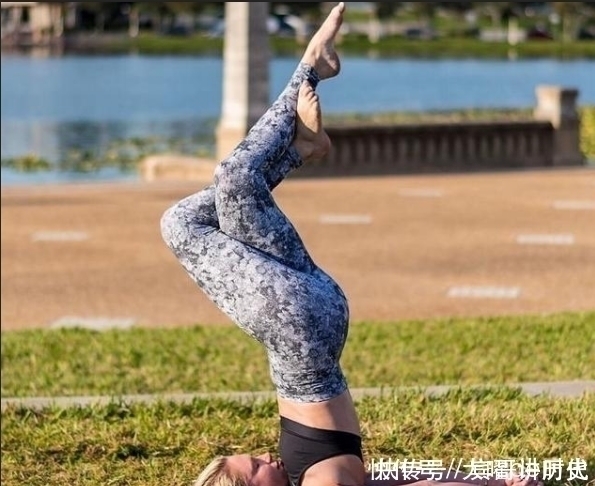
(396, 245)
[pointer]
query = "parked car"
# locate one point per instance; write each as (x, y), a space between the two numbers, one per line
(281, 25)
(586, 33)
(416, 33)
(539, 33)
(179, 30)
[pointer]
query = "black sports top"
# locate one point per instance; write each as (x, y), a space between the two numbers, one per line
(301, 447)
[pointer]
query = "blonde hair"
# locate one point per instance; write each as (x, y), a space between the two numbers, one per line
(215, 474)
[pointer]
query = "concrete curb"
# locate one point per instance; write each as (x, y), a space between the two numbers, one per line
(561, 389)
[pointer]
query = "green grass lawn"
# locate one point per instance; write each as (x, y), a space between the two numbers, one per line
(167, 444)
(466, 47)
(148, 43)
(221, 358)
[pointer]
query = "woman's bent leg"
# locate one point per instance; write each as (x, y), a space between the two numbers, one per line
(245, 206)
(200, 208)
(249, 260)
(300, 318)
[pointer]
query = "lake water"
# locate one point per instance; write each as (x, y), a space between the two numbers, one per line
(51, 105)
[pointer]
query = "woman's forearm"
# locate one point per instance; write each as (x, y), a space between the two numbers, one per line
(451, 478)
(421, 480)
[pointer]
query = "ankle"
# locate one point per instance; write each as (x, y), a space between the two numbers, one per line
(304, 149)
(313, 150)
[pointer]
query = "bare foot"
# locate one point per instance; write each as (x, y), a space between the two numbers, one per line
(320, 53)
(311, 141)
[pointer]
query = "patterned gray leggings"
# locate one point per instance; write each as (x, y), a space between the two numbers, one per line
(244, 253)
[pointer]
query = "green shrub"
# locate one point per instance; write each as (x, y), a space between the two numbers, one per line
(588, 131)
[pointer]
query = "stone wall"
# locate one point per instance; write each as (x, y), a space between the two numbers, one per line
(450, 147)
(551, 139)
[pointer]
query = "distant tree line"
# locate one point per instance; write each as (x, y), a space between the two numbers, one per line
(164, 16)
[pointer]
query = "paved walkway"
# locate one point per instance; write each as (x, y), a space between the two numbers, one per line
(418, 246)
(556, 389)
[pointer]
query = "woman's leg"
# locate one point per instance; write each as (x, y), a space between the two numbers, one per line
(192, 229)
(320, 54)
(245, 206)
(274, 302)
(254, 266)
(201, 206)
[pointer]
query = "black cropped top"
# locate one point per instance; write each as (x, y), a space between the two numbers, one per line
(301, 447)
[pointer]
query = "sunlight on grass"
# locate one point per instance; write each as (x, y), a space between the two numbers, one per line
(221, 358)
(167, 444)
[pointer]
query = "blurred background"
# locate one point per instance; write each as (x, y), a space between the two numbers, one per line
(89, 89)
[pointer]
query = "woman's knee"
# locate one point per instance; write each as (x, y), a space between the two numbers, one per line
(171, 225)
(182, 230)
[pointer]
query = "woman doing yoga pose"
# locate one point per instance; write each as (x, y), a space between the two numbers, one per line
(244, 253)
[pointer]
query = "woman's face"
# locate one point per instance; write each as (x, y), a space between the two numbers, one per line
(258, 471)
